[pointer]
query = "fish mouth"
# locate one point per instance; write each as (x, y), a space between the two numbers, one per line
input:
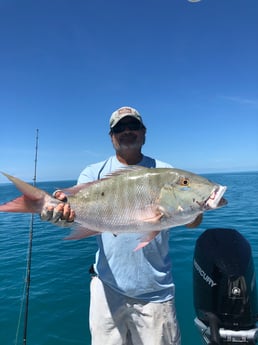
(215, 199)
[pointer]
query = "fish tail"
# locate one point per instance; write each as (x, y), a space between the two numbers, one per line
(31, 201)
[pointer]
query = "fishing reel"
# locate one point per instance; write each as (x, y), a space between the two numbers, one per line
(224, 288)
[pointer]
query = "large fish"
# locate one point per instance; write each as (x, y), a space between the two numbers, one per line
(134, 199)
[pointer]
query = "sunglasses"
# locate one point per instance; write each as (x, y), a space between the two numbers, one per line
(132, 126)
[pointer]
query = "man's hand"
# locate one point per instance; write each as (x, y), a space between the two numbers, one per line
(195, 223)
(62, 213)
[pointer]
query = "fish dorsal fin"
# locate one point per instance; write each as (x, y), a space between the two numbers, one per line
(75, 189)
(125, 170)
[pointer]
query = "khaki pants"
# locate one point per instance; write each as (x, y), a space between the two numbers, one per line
(118, 320)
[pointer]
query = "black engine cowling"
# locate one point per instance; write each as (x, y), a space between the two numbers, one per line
(224, 281)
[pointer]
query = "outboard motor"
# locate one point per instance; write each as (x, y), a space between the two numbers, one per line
(224, 284)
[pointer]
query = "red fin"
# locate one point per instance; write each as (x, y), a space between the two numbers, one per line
(31, 202)
(21, 205)
(146, 240)
(79, 232)
(28, 190)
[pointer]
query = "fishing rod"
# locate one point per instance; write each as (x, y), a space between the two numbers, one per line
(27, 291)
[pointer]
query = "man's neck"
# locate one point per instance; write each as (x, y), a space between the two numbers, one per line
(131, 158)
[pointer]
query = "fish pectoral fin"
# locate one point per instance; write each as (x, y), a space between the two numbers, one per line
(146, 240)
(80, 232)
(158, 213)
(151, 214)
(155, 219)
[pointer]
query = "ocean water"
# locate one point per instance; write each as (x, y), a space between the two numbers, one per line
(59, 293)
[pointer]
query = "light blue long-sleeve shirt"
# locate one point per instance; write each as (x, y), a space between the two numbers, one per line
(144, 274)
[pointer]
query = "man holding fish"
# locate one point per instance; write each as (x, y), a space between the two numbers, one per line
(130, 206)
(132, 294)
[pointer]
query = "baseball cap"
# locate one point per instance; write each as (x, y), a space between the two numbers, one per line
(120, 113)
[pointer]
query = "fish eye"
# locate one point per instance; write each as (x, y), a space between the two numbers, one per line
(184, 181)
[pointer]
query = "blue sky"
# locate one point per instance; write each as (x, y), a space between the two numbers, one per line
(189, 68)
